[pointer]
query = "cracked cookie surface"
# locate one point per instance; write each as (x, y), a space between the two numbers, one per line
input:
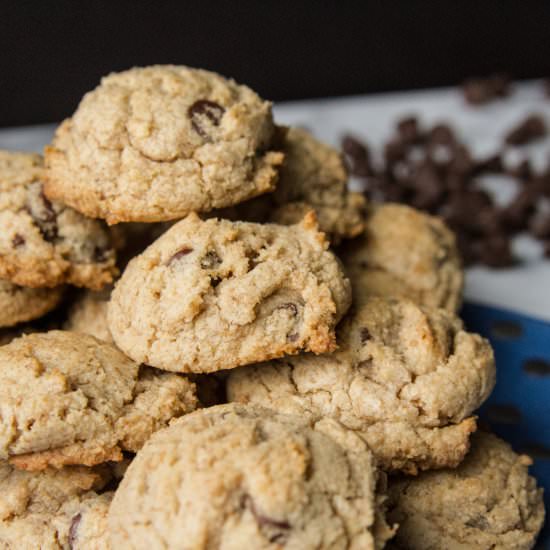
(405, 378)
(212, 295)
(43, 242)
(156, 143)
(19, 303)
(488, 501)
(405, 253)
(54, 509)
(68, 398)
(235, 477)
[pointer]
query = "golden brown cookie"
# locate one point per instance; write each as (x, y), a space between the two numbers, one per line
(212, 295)
(405, 378)
(156, 143)
(44, 243)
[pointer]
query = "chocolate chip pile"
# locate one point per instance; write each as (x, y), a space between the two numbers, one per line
(432, 170)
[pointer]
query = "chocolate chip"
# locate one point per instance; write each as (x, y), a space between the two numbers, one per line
(290, 307)
(261, 519)
(73, 530)
(539, 226)
(205, 114)
(210, 260)
(364, 335)
(292, 337)
(18, 240)
(478, 91)
(358, 157)
(441, 134)
(394, 151)
(516, 215)
(478, 522)
(179, 254)
(492, 165)
(530, 129)
(496, 252)
(99, 254)
(409, 131)
(43, 214)
(522, 171)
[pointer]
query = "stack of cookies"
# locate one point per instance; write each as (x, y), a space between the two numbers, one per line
(278, 365)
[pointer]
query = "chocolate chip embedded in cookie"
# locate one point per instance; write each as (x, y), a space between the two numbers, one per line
(68, 398)
(405, 253)
(19, 303)
(237, 477)
(156, 143)
(488, 501)
(406, 379)
(44, 243)
(212, 295)
(54, 509)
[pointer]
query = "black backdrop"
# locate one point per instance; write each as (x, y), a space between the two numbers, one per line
(51, 52)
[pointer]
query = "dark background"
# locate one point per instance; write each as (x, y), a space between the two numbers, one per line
(51, 52)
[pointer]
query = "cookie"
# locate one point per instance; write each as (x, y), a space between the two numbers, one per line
(489, 501)
(244, 477)
(405, 378)
(406, 254)
(214, 294)
(19, 303)
(43, 243)
(88, 314)
(53, 509)
(156, 143)
(314, 176)
(68, 398)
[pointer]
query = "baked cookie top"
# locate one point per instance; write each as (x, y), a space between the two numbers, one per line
(68, 398)
(155, 143)
(214, 294)
(407, 254)
(235, 477)
(314, 176)
(405, 378)
(19, 303)
(54, 509)
(488, 501)
(88, 314)
(44, 243)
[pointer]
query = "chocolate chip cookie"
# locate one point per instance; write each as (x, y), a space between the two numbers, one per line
(314, 176)
(212, 295)
(405, 253)
(405, 378)
(44, 243)
(54, 509)
(489, 501)
(19, 303)
(156, 143)
(68, 398)
(244, 477)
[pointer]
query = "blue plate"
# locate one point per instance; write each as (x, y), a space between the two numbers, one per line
(519, 407)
